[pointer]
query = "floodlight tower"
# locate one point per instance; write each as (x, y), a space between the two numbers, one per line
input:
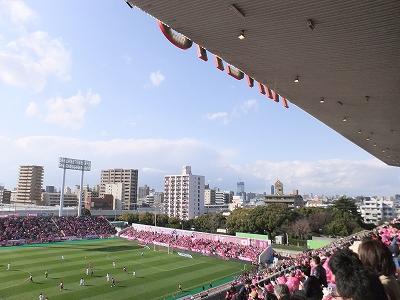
(72, 164)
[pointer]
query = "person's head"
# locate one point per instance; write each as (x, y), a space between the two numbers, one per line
(353, 280)
(315, 261)
(281, 291)
(376, 255)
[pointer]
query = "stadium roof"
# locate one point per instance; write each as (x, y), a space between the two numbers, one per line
(346, 53)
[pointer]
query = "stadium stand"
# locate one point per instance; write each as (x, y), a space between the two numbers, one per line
(226, 250)
(15, 230)
(337, 271)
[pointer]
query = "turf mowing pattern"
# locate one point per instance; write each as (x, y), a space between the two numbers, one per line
(157, 272)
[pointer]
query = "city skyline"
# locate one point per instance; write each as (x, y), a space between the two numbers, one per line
(126, 98)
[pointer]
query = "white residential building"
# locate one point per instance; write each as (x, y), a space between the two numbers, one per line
(117, 191)
(184, 195)
(375, 210)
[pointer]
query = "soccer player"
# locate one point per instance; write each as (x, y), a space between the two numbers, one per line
(46, 274)
(87, 271)
(134, 274)
(8, 267)
(124, 268)
(41, 297)
(180, 287)
(108, 277)
(141, 254)
(82, 282)
(114, 265)
(91, 271)
(61, 285)
(112, 282)
(30, 278)
(62, 257)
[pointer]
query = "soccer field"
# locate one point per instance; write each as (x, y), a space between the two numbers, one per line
(157, 272)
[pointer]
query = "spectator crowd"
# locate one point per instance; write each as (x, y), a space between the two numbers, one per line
(205, 246)
(41, 229)
(360, 267)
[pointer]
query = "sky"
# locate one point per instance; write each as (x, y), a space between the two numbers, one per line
(97, 80)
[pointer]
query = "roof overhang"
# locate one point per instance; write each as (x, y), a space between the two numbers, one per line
(351, 58)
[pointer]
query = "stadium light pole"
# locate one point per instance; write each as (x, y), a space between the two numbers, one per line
(81, 194)
(72, 164)
(60, 211)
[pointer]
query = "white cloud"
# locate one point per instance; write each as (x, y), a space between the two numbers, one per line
(31, 59)
(17, 11)
(32, 109)
(156, 78)
(216, 116)
(70, 112)
(326, 176)
(156, 157)
(236, 112)
(153, 157)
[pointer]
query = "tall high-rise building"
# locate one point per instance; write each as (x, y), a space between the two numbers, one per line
(129, 178)
(184, 195)
(29, 189)
(278, 188)
(240, 188)
(272, 189)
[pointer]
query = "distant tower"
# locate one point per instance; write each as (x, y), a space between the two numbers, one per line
(278, 188)
(272, 189)
(187, 170)
(240, 188)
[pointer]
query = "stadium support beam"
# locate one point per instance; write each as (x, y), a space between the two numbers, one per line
(81, 195)
(60, 211)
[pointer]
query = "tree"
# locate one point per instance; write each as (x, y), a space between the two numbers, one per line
(130, 218)
(348, 205)
(238, 220)
(162, 220)
(146, 218)
(301, 228)
(201, 223)
(318, 219)
(342, 224)
(267, 219)
(174, 223)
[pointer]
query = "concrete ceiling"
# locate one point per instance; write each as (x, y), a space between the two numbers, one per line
(351, 58)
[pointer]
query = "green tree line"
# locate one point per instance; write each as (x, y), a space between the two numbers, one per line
(341, 219)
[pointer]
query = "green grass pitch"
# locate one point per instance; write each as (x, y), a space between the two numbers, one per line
(157, 272)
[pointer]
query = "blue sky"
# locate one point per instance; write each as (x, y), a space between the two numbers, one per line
(98, 80)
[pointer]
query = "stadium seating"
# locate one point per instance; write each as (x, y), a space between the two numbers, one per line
(34, 229)
(292, 277)
(204, 246)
